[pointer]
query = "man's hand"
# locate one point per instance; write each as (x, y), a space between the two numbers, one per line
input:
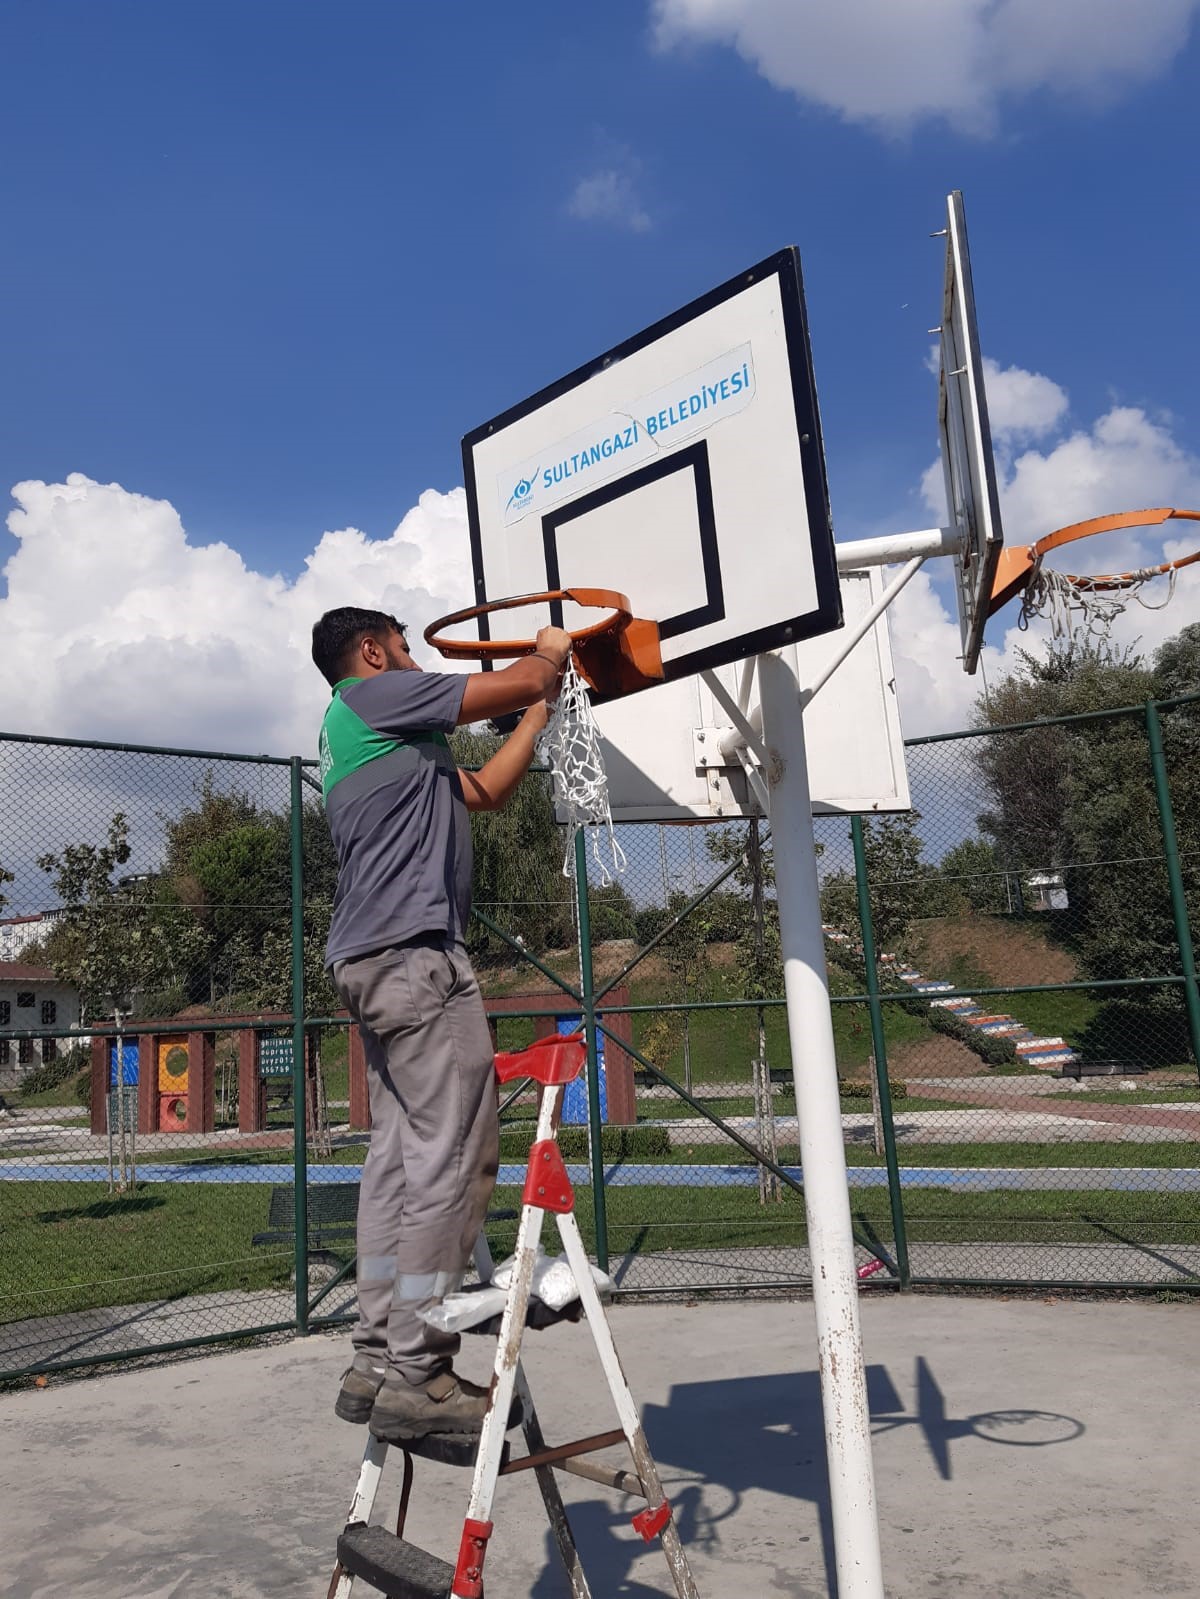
(554, 643)
(536, 717)
(525, 682)
(496, 780)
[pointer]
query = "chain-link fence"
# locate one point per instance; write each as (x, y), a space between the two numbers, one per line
(1015, 1011)
(145, 980)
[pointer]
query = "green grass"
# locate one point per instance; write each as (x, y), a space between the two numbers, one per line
(723, 1043)
(70, 1247)
(1141, 1095)
(64, 1094)
(656, 1219)
(1062, 1013)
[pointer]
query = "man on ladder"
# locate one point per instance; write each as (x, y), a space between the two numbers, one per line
(397, 806)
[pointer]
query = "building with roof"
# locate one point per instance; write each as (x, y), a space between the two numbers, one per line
(34, 1005)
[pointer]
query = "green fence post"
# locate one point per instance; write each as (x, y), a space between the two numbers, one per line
(587, 988)
(879, 1050)
(1183, 931)
(299, 1064)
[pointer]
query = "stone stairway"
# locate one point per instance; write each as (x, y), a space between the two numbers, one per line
(1045, 1053)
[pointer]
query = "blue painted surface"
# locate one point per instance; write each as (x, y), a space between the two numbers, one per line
(129, 1062)
(984, 1179)
(575, 1105)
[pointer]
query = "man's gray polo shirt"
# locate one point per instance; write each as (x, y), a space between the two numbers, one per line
(396, 812)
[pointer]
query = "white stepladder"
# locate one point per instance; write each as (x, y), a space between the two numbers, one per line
(400, 1569)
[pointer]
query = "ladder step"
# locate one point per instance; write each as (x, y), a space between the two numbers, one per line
(538, 1317)
(398, 1569)
(448, 1449)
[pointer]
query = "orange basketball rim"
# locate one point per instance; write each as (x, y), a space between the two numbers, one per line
(1019, 563)
(616, 655)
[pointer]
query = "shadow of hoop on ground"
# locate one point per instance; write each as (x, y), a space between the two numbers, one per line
(716, 1441)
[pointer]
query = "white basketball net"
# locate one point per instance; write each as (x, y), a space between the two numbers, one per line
(1074, 605)
(570, 747)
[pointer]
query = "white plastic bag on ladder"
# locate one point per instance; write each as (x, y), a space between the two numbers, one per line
(570, 746)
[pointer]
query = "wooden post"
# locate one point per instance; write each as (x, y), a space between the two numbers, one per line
(360, 1099)
(99, 1108)
(252, 1092)
(202, 1084)
(147, 1084)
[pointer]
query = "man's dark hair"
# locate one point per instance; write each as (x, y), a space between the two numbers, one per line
(337, 633)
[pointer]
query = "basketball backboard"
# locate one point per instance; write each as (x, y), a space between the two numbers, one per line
(683, 468)
(662, 752)
(966, 438)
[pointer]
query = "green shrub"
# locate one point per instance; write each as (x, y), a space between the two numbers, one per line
(862, 1089)
(992, 1049)
(649, 922)
(56, 1072)
(617, 1143)
(83, 1089)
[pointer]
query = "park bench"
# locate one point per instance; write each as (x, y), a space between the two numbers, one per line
(332, 1219)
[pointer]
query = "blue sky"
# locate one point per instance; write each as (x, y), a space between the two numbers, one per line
(266, 264)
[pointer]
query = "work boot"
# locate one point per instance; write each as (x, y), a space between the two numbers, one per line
(361, 1381)
(446, 1404)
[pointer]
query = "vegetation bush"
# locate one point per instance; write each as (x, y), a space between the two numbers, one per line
(55, 1072)
(994, 1050)
(617, 1143)
(83, 1089)
(861, 1088)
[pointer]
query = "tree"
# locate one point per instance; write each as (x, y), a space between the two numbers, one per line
(1032, 774)
(120, 941)
(758, 952)
(975, 877)
(903, 886)
(229, 861)
(1078, 798)
(5, 877)
(612, 912)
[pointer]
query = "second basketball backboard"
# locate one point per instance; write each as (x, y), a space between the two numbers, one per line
(662, 749)
(968, 465)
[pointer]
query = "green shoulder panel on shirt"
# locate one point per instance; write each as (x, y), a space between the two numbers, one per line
(347, 743)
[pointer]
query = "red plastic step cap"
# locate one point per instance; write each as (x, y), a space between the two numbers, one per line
(551, 1061)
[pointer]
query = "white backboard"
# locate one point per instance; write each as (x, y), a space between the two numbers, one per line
(652, 751)
(966, 438)
(684, 469)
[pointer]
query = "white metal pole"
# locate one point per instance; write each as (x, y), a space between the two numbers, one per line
(822, 1153)
(892, 548)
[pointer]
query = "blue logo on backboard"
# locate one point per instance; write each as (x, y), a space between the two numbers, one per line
(522, 492)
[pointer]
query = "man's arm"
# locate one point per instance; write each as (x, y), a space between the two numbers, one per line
(494, 784)
(526, 682)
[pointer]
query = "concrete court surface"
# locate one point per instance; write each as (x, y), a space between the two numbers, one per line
(1022, 1448)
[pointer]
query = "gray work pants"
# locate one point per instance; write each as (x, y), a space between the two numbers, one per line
(435, 1144)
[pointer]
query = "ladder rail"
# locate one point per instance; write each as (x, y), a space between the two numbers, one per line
(341, 1584)
(535, 1442)
(627, 1411)
(512, 1328)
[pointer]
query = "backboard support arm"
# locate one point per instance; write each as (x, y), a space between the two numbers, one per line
(747, 725)
(892, 548)
(850, 640)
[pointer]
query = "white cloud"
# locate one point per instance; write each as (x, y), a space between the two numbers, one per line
(1021, 404)
(609, 195)
(894, 62)
(116, 625)
(1125, 460)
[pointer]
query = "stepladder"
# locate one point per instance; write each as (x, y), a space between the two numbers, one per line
(388, 1562)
